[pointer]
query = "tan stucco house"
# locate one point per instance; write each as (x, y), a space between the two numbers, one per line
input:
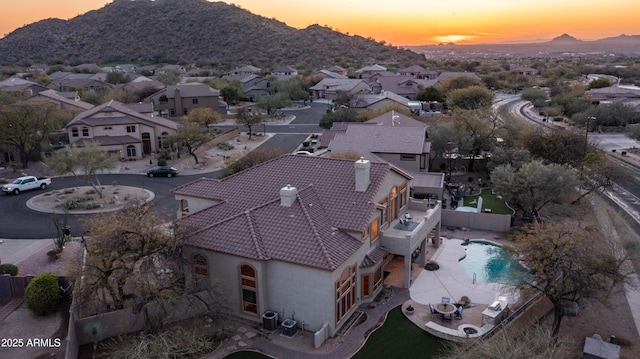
(120, 130)
(178, 100)
(305, 236)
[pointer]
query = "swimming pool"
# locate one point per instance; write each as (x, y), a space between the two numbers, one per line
(490, 263)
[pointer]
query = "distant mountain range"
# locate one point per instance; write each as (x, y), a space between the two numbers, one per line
(620, 45)
(190, 31)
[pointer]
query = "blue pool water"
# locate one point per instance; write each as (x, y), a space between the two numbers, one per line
(493, 264)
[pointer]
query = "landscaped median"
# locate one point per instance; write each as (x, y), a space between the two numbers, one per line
(85, 199)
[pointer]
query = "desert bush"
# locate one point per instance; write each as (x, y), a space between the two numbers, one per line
(8, 268)
(432, 265)
(43, 294)
(225, 146)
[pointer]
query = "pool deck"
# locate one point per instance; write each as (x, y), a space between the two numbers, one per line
(452, 281)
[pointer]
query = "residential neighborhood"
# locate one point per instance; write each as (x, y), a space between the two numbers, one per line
(309, 210)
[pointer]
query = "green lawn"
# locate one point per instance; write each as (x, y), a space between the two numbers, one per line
(489, 200)
(397, 338)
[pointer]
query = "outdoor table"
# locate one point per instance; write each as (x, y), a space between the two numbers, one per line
(445, 309)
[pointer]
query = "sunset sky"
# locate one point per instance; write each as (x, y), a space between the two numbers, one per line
(403, 22)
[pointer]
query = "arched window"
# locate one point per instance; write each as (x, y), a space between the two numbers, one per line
(345, 293)
(200, 265)
(248, 286)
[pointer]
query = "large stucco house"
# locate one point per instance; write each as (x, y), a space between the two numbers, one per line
(178, 100)
(120, 130)
(306, 235)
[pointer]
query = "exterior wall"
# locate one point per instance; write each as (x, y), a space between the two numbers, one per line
(410, 166)
(482, 221)
(194, 204)
(304, 293)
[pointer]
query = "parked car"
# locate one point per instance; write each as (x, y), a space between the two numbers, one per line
(303, 153)
(26, 183)
(162, 172)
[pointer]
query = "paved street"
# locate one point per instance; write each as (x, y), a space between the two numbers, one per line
(20, 222)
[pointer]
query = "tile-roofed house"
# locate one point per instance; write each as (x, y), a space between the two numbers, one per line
(330, 88)
(393, 138)
(329, 74)
(368, 71)
(309, 234)
(418, 72)
(63, 100)
(338, 70)
(284, 72)
(245, 70)
(378, 101)
(120, 130)
(254, 86)
(178, 100)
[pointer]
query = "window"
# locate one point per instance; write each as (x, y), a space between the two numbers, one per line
(366, 292)
(407, 157)
(375, 229)
(131, 129)
(85, 132)
(248, 288)
(172, 112)
(393, 204)
(108, 128)
(345, 293)
(365, 233)
(200, 265)
(194, 101)
(382, 206)
(74, 132)
(403, 195)
(131, 151)
(184, 111)
(378, 278)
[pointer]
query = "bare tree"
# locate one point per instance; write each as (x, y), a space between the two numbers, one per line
(569, 262)
(249, 116)
(83, 162)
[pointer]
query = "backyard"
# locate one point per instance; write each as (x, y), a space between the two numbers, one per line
(494, 203)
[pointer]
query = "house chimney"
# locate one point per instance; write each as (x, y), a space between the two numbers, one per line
(288, 195)
(363, 179)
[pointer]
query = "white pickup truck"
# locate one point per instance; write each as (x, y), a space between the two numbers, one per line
(26, 183)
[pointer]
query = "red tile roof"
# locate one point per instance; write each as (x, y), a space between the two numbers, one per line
(250, 222)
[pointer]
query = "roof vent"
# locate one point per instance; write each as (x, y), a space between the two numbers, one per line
(288, 195)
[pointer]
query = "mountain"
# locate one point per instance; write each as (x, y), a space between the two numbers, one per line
(565, 39)
(174, 31)
(563, 44)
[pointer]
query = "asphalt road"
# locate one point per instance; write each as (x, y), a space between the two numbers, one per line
(17, 221)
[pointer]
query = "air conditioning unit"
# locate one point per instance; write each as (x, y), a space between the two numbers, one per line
(495, 306)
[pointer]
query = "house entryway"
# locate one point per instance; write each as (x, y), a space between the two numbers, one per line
(394, 272)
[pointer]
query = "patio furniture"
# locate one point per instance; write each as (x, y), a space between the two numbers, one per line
(458, 313)
(445, 300)
(432, 309)
(446, 310)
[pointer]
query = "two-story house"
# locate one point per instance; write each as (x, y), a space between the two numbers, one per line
(120, 130)
(311, 236)
(284, 72)
(330, 88)
(178, 100)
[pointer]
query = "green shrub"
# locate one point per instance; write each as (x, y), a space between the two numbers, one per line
(43, 294)
(9, 269)
(305, 144)
(225, 146)
(162, 162)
